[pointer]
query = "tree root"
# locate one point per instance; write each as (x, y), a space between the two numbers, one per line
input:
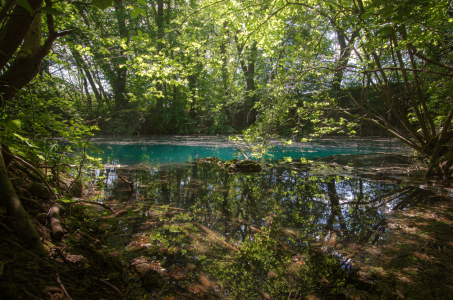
(15, 209)
(36, 171)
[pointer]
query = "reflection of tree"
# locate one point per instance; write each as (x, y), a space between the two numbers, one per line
(335, 208)
(224, 207)
(220, 224)
(164, 181)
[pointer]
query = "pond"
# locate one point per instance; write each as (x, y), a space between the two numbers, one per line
(180, 149)
(187, 228)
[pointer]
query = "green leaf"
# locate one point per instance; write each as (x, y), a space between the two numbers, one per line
(14, 124)
(142, 2)
(134, 13)
(25, 4)
(52, 11)
(102, 4)
(130, 212)
(141, 11)
(385, 31)
(366, 16)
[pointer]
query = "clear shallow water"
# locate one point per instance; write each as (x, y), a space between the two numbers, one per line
(180, 149)
(242, 236)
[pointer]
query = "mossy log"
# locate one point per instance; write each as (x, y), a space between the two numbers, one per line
(233, 165)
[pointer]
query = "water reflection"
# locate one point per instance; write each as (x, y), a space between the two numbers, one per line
(237, 236)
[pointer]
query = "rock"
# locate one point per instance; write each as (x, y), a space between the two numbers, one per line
(242, 166)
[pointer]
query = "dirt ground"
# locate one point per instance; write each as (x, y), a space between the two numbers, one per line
(413, 258)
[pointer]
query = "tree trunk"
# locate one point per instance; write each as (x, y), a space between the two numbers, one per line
(15, 209)
(119, 84)
(28, 60)
(15, 30)
(160, 35)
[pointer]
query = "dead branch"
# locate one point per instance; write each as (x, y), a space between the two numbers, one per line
(62, 287)
(130, 183)
(105, 283)
(94, 203)
(81, 164)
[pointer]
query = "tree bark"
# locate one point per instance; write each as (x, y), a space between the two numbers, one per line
(119, 86)
(15, 30)
(15, 209)
(28, 60)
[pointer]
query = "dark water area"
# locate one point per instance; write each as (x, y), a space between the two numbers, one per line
(286, 232)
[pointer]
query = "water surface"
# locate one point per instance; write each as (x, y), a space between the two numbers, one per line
(288, 229)
(180, 149)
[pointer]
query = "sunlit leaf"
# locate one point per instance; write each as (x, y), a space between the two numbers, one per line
(134, 13)
(14, 124)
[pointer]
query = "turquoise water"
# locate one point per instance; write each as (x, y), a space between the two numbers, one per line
(250, 234)
(180, 149)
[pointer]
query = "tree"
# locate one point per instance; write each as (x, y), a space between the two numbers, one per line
(398, 50)
(21, 56)
(21, 31)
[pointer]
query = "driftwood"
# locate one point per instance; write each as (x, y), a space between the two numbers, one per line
(216, 237)
(54, 219)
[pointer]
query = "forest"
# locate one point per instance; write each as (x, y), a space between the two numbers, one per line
(260, 72)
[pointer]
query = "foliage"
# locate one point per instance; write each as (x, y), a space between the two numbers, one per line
(295, 69)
